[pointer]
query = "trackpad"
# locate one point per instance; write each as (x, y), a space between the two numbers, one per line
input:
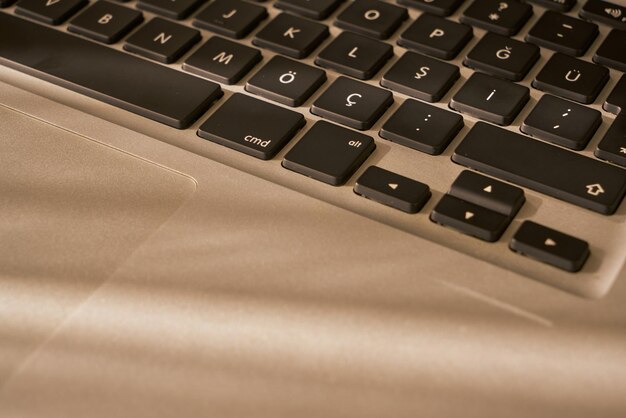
(71, 211)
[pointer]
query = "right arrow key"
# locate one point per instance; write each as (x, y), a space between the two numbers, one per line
(550, 246)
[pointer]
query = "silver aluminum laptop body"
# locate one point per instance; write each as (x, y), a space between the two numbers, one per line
(145, 272)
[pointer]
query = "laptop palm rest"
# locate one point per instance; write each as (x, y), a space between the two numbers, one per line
(71, 211)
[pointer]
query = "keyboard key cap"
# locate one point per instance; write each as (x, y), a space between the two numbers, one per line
(563, 33)
(491, 99)
(329, 153)
(162, 40)
(436, 7)
(543, 167)
(503, 17)
(436, 36)
(372, 18)
(351, 103)
(562, 122)
(105, 22)
(613, 146)
(572, 78)
(392, 189)
(286, 81)
(422, 127)
(232, 18)
(421, 77)
(318, 9)
(53, 12)
(550, 246)
(222, 60)
(252, 126)
(177, 9)
(616, 102)
(612, 52)
(355, 55)
(291, 35)
(469, 218)
(503, 57)
(31, 47)
(605, 12)
(558, 5)
(488, 193)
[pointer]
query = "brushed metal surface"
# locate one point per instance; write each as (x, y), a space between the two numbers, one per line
(252, 300)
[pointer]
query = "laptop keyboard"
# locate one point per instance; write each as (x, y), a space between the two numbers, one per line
(222, 42)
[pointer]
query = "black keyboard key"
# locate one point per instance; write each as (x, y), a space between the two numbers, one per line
(489, 98)
(53, 12)
(352, 103)
(436, 7)
(603, 11)
(543, 167)
(550, 246)
(436, 36)
(105, 22)
(162, 40)
(177, 9)
(32, 47)
(372, 18)
(222, 60)
(232, 18)
(503, 57)
(616, 102)
(252, 126)
(318, 9)
(286, 81)
(572, 78)
(563, 33)
(392, 189)
(503, 17)
(329, 153)
(488, 193)
(558, 5)
(612, 52)
(469, 218)
(355, 55)
(613, 146)
(562, 122)
(421, 77)
(422, 127)
(291, 35)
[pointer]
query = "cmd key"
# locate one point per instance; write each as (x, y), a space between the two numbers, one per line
(148, 89)
(543, 167)
(251, 126)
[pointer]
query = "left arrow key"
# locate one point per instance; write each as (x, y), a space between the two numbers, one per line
(392, 189)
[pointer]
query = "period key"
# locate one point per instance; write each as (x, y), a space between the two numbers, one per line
(392, 189)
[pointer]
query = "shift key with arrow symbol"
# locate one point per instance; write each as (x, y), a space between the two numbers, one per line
(392, 189)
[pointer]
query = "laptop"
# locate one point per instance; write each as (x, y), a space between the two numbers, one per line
(330, 208)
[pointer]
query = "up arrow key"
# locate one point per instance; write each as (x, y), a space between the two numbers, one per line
(550, 242)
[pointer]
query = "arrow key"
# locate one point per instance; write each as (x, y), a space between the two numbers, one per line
(550, 246)
(392, 189)
(470, 218)
(488, 193)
